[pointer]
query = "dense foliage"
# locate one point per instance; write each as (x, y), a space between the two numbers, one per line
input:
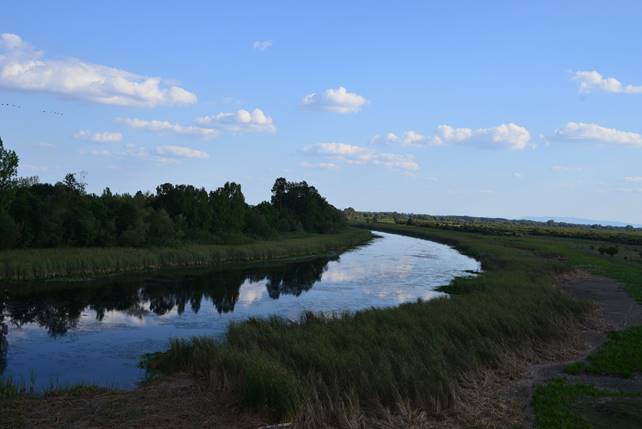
(63, 214)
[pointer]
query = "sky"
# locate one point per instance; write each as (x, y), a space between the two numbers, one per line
(495, 108)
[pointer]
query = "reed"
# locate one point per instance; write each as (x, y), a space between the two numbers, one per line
(32, 264)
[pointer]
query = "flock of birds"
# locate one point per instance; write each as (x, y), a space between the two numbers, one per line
(17, 106)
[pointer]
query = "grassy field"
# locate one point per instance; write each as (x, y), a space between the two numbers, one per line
(30, 264)
(337, 370)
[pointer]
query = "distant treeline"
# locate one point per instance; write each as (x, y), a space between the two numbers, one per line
(63, 214)
(499, 226)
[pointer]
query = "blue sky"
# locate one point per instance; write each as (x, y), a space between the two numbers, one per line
(497, 108)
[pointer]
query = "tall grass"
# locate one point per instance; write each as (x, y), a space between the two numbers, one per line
(29, 264)
(333, 370)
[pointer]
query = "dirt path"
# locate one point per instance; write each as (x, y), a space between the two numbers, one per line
(616, 311)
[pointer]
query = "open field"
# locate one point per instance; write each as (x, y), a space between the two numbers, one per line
(30, 264)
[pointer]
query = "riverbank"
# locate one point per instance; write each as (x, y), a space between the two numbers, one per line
(38, 264)
(425, 364)
(392, 363)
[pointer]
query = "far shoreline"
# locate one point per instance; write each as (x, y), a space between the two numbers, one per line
(81, 264)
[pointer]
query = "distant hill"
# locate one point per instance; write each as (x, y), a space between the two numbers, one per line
(580, 221)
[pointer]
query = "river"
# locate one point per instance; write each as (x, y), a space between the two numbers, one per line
(96, 333)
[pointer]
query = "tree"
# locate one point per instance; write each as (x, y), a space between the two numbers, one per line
(73, 184)
(8, 167)
(228, 206)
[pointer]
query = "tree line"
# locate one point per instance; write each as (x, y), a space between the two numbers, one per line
(64, 214)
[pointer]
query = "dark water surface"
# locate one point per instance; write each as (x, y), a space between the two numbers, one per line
(94, 333)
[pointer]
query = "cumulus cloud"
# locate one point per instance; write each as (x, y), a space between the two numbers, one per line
(164, 154)
(99, 137)
(24, 68)
(262, 45)
(592, 80)
(166, 127)
(142, 153)
(581, 131)
(358, 155)
(511, 136)
(508, 135)
(241, 121)
(334, 100)
(633, 179)
(391, 138)
(321, 165)
(181, 152)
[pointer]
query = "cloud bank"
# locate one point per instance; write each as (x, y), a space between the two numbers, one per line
(26, 69)
(99, 137)
(509, 136)
(590, 132)
(358, 155)
(166, 127)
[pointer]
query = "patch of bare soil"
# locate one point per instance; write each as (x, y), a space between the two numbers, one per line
(615, 310)
(169, 403)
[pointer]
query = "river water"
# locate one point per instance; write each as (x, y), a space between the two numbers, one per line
(96, 333)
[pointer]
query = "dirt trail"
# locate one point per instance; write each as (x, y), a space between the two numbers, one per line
(616, 311)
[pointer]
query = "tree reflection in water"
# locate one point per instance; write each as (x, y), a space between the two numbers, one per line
(59, 309)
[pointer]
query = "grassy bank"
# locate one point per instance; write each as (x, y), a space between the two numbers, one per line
(30, 264)
(376, 362)
(558, 404)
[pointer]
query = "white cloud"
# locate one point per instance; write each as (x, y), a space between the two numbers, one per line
(580, 131)
(508, 135)
(141, 152)
(334, 100)
(100, 137)
(240, 122)
(321, 165)
(262, 45)
(517, 175)
(181, 152)
(168, 127)
(592, 80)
(633, 179)
(338, 149)
(357, 155)
(24, 68)
(181, 96)
(412, 138)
